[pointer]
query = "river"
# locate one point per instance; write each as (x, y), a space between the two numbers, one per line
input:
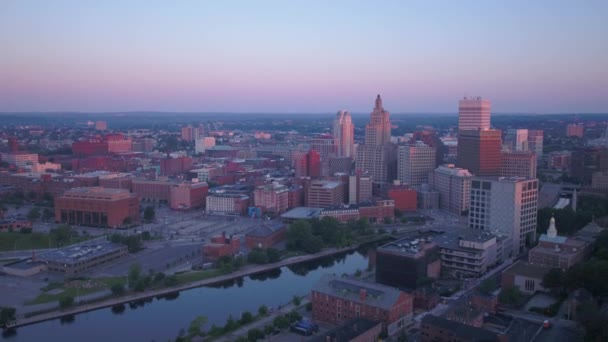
(162, 319)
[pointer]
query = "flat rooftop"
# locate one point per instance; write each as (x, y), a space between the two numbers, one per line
(97, 193)
(452, 236)
(83, 252)
(302, 213)
(408, 246)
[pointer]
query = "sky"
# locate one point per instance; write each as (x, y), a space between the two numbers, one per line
(303, 56)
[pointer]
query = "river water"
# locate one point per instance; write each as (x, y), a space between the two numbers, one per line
(162, 319)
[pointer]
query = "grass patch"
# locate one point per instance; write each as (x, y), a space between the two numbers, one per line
(189, 277)
(71, 288)
(20, 241)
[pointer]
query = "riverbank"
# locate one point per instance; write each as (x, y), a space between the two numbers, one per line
(245, 271)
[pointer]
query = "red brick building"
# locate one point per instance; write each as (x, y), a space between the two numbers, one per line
(188, 195)
(221, 245)
(14, 225)
(152, 191)
(265, 234)
(404, 197)
(439, 329)
(175, 166)
(89, 148)
(97, 206)
(479, 151)
(377, 210)
(336, 300)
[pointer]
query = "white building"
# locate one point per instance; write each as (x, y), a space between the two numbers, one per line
(506, 207)
(414, 164)
(473, 113)
(454, 186)
(203, 143)
(344, 133)
(20, 159)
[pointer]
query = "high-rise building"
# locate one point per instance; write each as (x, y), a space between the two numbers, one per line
(118, 143)
(377, 155)
(378, 130)
(506, 207)
(479, 151)
(308, 164)
(344, 133)
(324, 194)
(203, 143)
(516, 140)
(575, 130)
(414, 163)
(454, 186)
(271, 198)
(518, 164)
(535, 142)
(324, 144)
(359, 188)
(473, 113)
(189, 133)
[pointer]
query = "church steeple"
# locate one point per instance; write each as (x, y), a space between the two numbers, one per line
(378, 102)
(552, 231)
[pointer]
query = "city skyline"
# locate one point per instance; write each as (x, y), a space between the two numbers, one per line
(545, 57)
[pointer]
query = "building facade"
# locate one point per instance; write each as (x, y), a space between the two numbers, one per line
(479, 151)
(324, 194)
(454, 187)
(344, 133)
(414, 164)
(506, 207)
(97, 206)
(474, 114)
(272, 198)
(518, 164)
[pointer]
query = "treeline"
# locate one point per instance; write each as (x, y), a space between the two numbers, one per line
(311, 236)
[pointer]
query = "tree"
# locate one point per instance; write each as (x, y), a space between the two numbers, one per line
(246, 318)
(118, 289)
(280, 322)
(7, 314)
(149, 214)
(554, 279)
(47, 214)
(33, 214)
(254, 335)
(257, 256)
(388, 220)
(66, 302)
(296, 300)
(268, 329)
(263, 310)
(195, 328)
(62, 234)
(487, 286)
(273, 254)
(134, 274)
(231, 324)
(510, 296)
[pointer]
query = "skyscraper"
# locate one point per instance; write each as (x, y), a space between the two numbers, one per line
(415, 162)
(377, 155)
(378, 130)
(344, 133)
(454, 186)
(506, 207)
(535, 142)
(516, 140)
(473, 113)
(518, 164)
(479, 151)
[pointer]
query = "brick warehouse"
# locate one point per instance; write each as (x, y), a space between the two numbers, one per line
(97, 206)
(336, 300)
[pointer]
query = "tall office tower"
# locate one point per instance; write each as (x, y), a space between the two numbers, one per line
(535, 142)
(359, 188)
(518, 164)
(454, 186)
(506, 207)
(344, 133)
(479, 151)
(516, 140)
(378, 130)
(377, 155)
(308, 164)
(473, 113)
(189, 133)
(415, 162)
(324, 144)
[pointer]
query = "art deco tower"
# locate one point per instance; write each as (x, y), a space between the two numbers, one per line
(344, 133)
(378, 130)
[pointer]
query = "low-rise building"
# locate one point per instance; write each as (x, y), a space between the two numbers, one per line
(271, 198)
(221, 245)
(439, 329)
(97, 206)
(355, 330)
(265, 234)
(526, 277)
(561, 252)
(336, 300)
(466, 252)
(324, 194)
(227, 203)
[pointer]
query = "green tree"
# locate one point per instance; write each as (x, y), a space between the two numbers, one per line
(7, 314)
(231, 324)
(554, 279)
(268, 329)
(257, 256)
(149, 214)
(33, 214)
(66, 301)
(47, 214)
(296, 300)
(273, 255)
(118, 289)
(263, 310)
(134, 274)
(487, 286)
(246, 318)
(254, 335)
(280, 322)
(510, 296)
(62, 234)
(196, 326)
